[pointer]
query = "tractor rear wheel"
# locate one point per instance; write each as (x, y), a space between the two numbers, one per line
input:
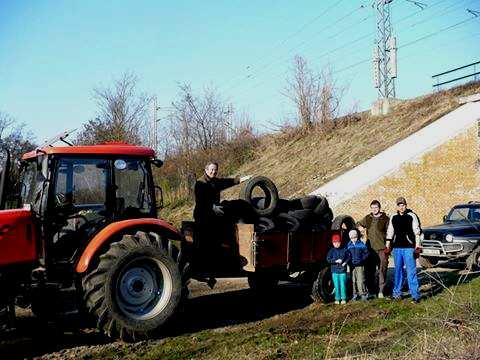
(135, 288)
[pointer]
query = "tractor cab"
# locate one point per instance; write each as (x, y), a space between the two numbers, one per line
(67, 194)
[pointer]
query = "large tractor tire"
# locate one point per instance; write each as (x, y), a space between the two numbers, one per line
(322, 288)
(135, 288)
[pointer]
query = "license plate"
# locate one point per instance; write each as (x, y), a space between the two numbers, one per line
(431, 251)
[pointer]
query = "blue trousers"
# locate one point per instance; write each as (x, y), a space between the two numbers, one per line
(401, 257)
(340, 285)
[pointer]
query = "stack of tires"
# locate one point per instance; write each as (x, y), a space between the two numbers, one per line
(309, 213)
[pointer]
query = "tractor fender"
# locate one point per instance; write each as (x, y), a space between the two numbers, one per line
(107, 233)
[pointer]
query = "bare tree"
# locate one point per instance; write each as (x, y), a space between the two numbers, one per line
(121, 114)
(315, 95)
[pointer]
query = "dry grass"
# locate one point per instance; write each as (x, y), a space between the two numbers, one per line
(300, 163)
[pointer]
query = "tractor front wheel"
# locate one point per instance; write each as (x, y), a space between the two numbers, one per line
(135, 288)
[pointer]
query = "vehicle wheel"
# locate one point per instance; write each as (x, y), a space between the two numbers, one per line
(288, 222)
(427, 263)
(261, 282)
(343, 219)
(322, 288)
(270, 190)
(135, 288)
(473, 261)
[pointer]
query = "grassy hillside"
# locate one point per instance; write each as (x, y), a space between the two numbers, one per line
(445, 326)
(300, 163)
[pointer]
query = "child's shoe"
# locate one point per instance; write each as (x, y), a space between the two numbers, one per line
(354, 297)
(337, 302)
(343, 302)
(364, 297)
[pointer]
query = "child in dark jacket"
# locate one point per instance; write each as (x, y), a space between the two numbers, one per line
(359, 254)
(339, 258)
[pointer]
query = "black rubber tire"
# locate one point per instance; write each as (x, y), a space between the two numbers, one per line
(340, 219)
(302, 215)
(309, 202)
(258, 202)
(264, 224)
(268, 187)
(322, 288)
(103, 291)
(262, 282)
(327, 216)
(473, 260)
(322, 206)
(287, 222)
(427, 263)
(294, 204)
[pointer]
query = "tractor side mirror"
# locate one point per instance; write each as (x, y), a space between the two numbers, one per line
(158, 197)
(444, 218)
(157, 162)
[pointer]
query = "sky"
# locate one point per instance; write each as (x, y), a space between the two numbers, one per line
(54, 53)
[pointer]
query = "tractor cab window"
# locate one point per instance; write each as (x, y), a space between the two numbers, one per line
(132, 183)
(81, 186)
(79, 202)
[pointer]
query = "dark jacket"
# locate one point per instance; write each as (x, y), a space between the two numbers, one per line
(340, 253)
(358, 252)
(207, 193)
(403, 229)
(376, 229)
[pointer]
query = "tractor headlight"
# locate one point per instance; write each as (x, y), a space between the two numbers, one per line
(449, 237)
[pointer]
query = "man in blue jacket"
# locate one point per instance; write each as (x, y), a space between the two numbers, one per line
(359, 254)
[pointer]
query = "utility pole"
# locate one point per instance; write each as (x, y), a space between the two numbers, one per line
(384, 52)
(153, 134)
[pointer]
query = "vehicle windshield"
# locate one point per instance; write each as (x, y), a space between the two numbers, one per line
(464, 214)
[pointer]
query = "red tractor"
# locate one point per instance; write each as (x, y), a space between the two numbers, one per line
(83, 234)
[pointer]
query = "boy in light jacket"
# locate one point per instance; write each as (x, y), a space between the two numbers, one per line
(358, 255)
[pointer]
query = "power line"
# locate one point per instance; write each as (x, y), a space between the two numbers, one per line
(269, 64)
(295, 33)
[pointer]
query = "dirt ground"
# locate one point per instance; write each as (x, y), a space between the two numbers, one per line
(229, 303)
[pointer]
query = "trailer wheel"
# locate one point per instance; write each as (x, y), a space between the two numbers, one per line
(135, 288)
(322, 288)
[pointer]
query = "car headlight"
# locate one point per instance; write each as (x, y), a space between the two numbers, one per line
(449, 237)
